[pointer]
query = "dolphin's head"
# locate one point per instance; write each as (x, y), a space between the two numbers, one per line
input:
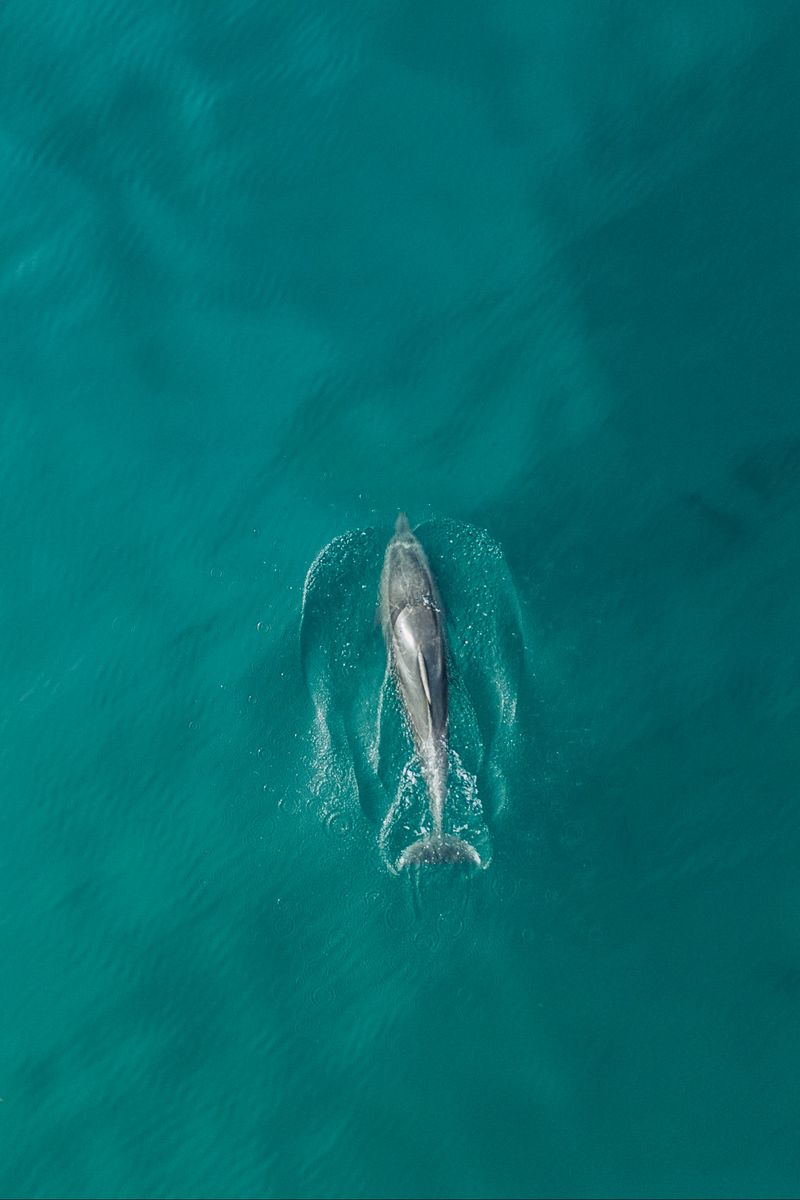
(402, 529)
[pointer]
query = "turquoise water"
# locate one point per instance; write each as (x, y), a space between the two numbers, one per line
(270, 273)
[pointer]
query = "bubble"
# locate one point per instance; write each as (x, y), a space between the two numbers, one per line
(283, 924)
(323, 996)
(339, 823)
(427, 940)
(395, 917)
(288, 802)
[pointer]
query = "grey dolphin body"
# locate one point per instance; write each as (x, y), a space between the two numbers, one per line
(413, 626)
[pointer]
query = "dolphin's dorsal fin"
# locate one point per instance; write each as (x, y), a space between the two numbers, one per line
(423, 674)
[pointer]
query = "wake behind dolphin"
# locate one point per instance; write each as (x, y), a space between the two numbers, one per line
(413, 628)
(444, 688)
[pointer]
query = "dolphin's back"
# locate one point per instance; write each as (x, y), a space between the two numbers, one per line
(408, 582)
(420, 663)
(414, 632)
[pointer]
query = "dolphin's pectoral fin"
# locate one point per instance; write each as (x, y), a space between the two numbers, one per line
(423, 674)
(426, 687)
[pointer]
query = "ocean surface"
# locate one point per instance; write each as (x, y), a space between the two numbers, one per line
(270, 273)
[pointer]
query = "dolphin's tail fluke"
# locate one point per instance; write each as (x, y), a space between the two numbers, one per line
(439, 848)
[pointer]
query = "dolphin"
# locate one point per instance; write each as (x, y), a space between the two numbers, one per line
(413, 628)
